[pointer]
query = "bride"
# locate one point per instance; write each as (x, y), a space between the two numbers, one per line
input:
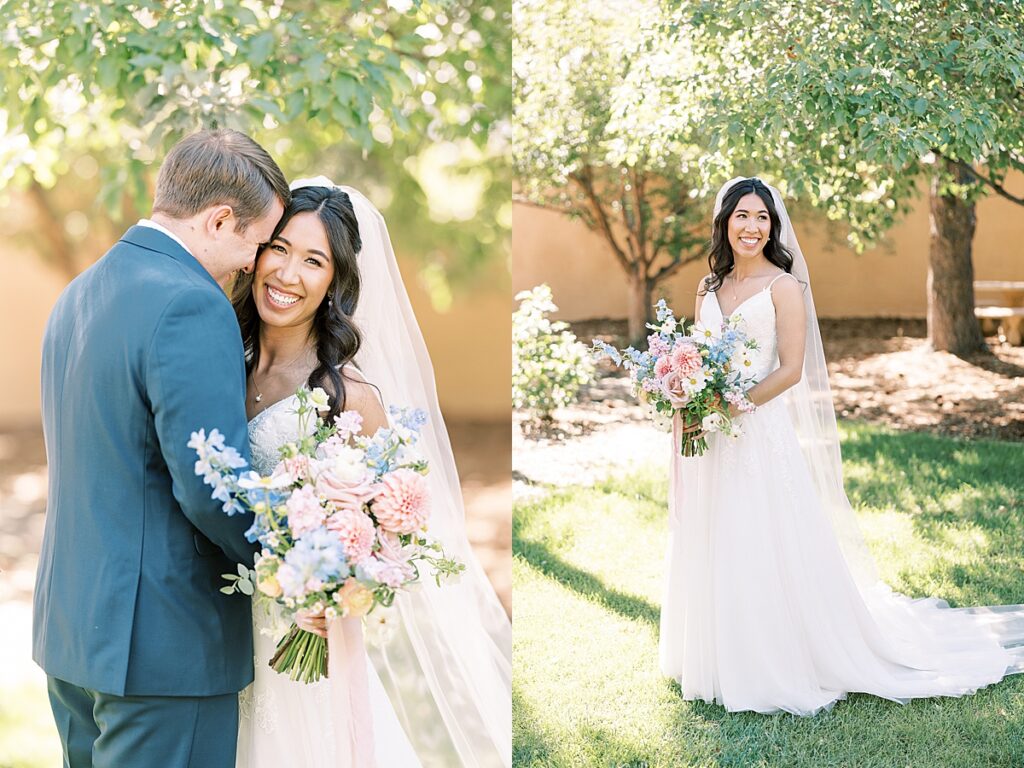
(772, 601)
(325, 306)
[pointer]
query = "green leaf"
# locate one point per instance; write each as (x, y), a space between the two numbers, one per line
(106, 72)
(920, 106)
(228, 590)
(259, 49)
(245, 587)
(146, 60)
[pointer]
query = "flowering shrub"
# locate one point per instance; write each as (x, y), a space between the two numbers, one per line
(548, 365)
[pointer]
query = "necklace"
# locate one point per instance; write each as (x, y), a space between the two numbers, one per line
(287, 367)
(735, 283)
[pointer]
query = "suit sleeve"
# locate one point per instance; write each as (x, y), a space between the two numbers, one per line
(195, 378)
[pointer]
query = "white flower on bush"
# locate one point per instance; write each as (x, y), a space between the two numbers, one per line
(548, 364)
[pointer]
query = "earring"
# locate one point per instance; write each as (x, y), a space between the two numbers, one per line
(330, 300)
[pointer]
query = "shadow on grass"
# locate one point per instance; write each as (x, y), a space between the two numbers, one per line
(541, 558)
(530, 744)
(950, 489)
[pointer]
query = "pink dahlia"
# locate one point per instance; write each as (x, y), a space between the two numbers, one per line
(662, 366)
(686, 358)
(356, 531)
(402, 504)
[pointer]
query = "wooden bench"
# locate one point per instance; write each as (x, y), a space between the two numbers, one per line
(999, 306)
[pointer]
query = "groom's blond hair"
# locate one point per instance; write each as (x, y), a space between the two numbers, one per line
(219, 167)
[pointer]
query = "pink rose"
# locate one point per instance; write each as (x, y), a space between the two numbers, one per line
(402, 504)
(686, 358)
(345, 480)
(672, 386)
(356, 531)
(305, 512)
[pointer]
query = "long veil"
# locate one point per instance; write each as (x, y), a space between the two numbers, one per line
(447, 663)
(812, 412)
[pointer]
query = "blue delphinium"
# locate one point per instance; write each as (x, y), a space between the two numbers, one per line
(318, 555)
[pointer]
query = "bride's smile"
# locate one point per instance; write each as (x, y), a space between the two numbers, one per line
(294, 272)
(749, 227)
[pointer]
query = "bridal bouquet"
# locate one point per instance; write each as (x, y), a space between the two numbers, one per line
(341, 519)
(695, 373)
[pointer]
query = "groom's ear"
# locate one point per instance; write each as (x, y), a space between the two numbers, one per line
(220, 219)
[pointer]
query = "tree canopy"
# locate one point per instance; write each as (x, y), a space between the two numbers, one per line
(854, 105)
(587, 144)
(410, 96)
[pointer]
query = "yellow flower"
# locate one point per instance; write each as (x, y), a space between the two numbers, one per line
(354, 598)
(269, 585)
(266, 576)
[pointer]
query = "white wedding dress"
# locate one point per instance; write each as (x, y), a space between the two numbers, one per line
(287, 723)
(762, 610)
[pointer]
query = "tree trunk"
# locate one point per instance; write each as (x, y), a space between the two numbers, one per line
(640, 287)
(952, 326)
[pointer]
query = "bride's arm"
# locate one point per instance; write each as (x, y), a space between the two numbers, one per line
(787, 295)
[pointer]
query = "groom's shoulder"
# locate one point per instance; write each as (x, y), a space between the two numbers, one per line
(135, 287)
(154, 273)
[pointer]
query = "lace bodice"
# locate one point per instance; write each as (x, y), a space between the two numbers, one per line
(269, 430)
(757, 320)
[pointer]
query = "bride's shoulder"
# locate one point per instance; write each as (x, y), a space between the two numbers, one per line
(363, 397)
(786, 290)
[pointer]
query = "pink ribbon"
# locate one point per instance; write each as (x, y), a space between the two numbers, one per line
(350, 694)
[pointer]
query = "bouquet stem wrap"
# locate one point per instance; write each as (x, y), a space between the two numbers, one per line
(350, 694)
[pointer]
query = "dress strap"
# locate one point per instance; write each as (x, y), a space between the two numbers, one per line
(784, 274)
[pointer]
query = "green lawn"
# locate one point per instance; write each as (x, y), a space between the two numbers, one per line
(943, 517)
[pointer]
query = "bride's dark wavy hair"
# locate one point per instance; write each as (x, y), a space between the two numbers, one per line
(720, 257)
(336, 336)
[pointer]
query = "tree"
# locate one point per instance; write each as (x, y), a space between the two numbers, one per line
(586, 145)
(322, 84)
(855, 105)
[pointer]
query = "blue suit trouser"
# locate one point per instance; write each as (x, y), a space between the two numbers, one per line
(99, 730)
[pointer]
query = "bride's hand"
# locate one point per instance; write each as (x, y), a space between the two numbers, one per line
(312, 622)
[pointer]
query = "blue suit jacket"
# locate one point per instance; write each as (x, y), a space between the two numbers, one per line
(140, 350)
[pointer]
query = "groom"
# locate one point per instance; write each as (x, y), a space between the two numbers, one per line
(144, 657)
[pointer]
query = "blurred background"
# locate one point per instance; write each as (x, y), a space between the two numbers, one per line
(408, 101)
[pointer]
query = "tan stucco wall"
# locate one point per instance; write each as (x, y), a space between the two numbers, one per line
(469, 344)
(888, 280)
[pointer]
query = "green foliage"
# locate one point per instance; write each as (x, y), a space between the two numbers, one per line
(587, 579)
(548, 365)
(404, 98)
(848, 105)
